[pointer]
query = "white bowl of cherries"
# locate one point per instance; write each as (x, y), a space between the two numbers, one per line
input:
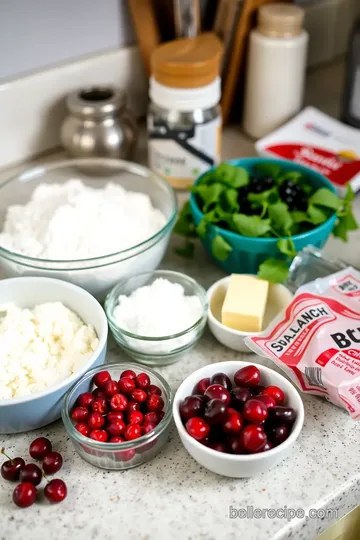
(238, 419)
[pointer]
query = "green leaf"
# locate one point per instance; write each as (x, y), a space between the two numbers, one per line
(241, 178)
(325, 197)
(349, 195)
(201, 229)
(273, 270)
(286, 246)
(344, 224)
(299, 217)
(252, 226)
(261, 197)
(233, 177)
(294, 176)
(316, 215)
(185, 223)
(231, 197)
(187, 251)
(210, 194)
(268, 169)
(220, 248)
(280, 217)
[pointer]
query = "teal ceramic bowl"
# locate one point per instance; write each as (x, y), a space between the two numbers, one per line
(248, 253)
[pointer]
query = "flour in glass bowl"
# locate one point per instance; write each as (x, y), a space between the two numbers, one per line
(72, 221)
(158, 310)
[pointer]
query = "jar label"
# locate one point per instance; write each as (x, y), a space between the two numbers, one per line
(183, 154)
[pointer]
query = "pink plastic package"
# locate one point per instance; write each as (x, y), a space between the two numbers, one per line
(316, 340)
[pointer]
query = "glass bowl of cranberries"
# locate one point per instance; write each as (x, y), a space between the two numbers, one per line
(118, 415)
(238, 419)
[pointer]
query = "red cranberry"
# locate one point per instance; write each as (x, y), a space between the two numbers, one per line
(100, 406)
(281, 415)
(41, 446)
(161, 414)
(234, 423)
(126, 385)
(79, 414)
(218, 446)
(24, 494)
(96, 421)
(268, 446)
(142, 381)
(99, 435)
(235, 445)
(52, 463)
(152, 418)
(201, 386)
(31, 473)
(85, 399)
(248, 376)
(252, 438)
(119, 402)
(277, 435)
(111, 388)
(215, 412)
(138, 395)
(10, 470)
(114, 416)
(116, 428)
(128, 373)
(276, 393)
(197, 428)
(136, 417)
(132, 406)
(83, 429)
(255, 411)
(133, 431)
(268, 401)
(116, 439)
(222, 379)
(147, 427)
(216, 391)
(239, 396)
(55, 491)
(101, 378)
(191, 406)
(153, 389)
(155, 403)
(98, 393)
(125, 455)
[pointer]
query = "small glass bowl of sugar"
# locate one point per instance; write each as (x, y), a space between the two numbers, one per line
(155, 317)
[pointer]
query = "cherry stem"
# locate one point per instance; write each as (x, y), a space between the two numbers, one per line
(46, 478)
(5, 454)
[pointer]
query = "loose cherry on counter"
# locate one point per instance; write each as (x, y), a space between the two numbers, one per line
(101, 378)
(42, 446)
(10, 470)
(216, 391)
(24, 494)
(255, 411)
(52, 463)
(31, 473)
(276, 393)
(197, 428)
(55, 491)
(248, 376)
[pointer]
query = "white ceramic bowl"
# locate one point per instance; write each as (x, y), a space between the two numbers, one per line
(238, 466)
(278, 299)
(39, 409)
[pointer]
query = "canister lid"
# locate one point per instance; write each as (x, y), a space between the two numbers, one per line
(187, 62)
(280, 20)
(96, 101)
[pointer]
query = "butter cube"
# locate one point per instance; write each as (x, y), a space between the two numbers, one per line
(245, 303)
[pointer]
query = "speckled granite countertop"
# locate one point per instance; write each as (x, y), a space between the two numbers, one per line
(172, 497)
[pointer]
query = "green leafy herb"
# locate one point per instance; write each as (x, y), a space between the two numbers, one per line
(298, 216)
(201, 229)
(253, 226)
(325, 197)
(287, 247)
(220, 248)
(187, 251)
(267, 168)
(185, 225)
(280, 217)
(316, 215)
(210, 194)
(273, 270)
(231, 197)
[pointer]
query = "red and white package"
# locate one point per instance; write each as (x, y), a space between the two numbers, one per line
(316, 340)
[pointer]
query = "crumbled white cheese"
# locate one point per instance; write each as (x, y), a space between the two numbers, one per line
(158, 310)
(41, 347)
(73, 221)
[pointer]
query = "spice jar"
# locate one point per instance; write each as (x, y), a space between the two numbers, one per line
(184, 118)
(99, 124)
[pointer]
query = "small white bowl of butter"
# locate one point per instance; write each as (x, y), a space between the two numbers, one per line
(278, 298)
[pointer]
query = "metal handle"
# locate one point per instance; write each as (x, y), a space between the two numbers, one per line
(187, 18)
